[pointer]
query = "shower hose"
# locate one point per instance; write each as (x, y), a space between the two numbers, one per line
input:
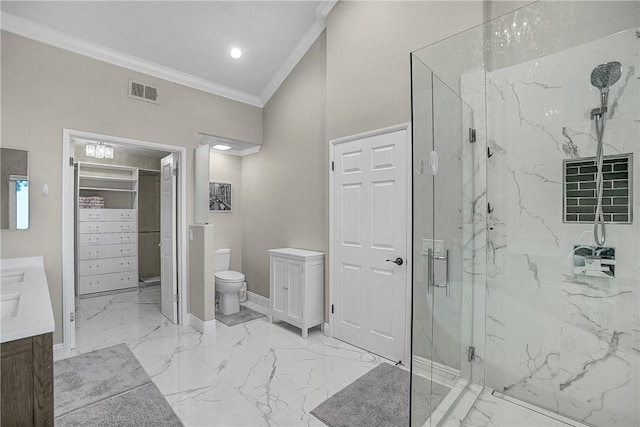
(599, 231)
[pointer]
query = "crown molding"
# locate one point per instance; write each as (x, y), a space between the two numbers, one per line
(29, 29)
(299, 51)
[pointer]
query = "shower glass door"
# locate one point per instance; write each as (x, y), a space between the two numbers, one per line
(444, 243)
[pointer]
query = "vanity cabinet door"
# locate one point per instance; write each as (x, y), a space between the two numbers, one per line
(279, 287)
(295, 289)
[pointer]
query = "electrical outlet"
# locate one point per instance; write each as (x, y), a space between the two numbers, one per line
(436, 245)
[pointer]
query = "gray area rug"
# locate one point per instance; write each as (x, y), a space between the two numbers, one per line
(108, 387)
(381, 398)
(244, 315)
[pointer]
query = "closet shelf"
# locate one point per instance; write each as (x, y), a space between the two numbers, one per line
(106, 178)
(107, 189)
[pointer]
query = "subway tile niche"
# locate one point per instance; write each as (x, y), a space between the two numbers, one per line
(580, 193)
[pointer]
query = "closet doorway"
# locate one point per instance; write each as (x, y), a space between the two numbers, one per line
(124, 210)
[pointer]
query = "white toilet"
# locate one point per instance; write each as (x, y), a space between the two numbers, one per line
(228, 283)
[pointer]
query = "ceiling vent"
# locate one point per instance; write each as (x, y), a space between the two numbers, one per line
(143, 92)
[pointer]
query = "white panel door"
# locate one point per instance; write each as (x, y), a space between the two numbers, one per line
(370, 228)
(168, 252)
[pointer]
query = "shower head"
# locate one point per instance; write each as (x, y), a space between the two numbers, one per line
(603, 77)
(606, 75)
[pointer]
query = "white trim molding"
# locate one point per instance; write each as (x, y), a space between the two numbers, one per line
(299, 51)
(326, 329)
(208, 327)
(31, 30)
(60, 352)
(259, 300)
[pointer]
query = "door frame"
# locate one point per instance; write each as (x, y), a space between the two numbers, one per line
(68, 230)
(409, 261)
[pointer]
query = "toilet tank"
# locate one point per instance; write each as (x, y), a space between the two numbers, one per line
(222, 259)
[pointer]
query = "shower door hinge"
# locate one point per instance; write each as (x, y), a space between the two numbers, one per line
(471, 354)
(72, 316)
(70, 161)
(175, 297)
(333, 166)
(332, 308)
(472, 135)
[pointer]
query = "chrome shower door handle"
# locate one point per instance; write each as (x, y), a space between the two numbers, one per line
(429, 270)
(447, 283)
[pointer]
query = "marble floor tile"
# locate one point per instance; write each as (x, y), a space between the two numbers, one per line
(253, 374)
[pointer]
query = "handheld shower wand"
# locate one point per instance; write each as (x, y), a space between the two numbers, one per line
(602, 77)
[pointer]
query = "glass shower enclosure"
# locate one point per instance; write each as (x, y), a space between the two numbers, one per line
(511, 294)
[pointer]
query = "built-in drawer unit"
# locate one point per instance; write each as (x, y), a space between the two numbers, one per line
(107, 282)
(107, 214)
(109, 265)
(107, 239)
(107, 227)
(107, 251)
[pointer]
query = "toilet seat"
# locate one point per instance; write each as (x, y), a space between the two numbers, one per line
(229, 276)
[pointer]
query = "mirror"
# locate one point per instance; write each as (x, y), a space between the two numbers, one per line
(14, 190)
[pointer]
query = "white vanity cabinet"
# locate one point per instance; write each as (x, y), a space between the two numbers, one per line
(296, 287)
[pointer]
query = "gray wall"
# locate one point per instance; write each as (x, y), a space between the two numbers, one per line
(228, 225)
(284, 185)
(45, 89)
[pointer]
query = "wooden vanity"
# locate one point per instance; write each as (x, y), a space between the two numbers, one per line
(26, 347)
(26, 367)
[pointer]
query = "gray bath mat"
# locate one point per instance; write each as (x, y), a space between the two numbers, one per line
(244, 315)
(107, 387)
(143, 406)
(380, 398)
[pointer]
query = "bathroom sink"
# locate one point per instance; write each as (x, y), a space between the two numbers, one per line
(9, 307)
(11, 277)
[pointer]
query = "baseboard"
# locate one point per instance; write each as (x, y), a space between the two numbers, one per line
(440, 373)
(60, 352)
(208, 327)
(258, 299)
(326, 329)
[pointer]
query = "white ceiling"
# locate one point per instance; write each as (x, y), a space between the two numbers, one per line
(183, 41)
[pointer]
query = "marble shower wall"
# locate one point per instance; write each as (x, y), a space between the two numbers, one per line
(567, 343)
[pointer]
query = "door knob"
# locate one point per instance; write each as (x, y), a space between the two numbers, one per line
(398, 261)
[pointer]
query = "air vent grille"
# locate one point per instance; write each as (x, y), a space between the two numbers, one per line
(137, 90)
(151, 93)
(143, 92)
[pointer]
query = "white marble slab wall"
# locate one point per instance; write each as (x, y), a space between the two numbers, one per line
(569, 344)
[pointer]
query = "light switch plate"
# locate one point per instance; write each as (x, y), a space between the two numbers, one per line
(436, 245)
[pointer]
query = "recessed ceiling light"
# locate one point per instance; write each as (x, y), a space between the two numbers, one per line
(236, 53)
(221, 147)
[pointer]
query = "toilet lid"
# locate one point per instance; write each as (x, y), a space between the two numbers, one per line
(229, 276)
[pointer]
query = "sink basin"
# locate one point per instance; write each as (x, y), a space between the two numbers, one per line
(11, 277)
(9, 307)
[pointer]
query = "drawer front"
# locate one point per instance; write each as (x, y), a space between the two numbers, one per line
(107, 227)
(107, 239)
(107, 214)
(109, 265)
(107, 282)
(107, 251)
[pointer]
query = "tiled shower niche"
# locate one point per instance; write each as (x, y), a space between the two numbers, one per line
(580, 194)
